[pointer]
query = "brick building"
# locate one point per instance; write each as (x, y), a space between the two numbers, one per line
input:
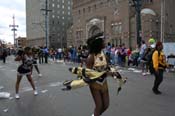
(117, 19)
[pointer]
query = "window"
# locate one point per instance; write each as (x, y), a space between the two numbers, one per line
(101, 3)
(95, 6)
(83, 10)
(62, 17)
(63, 7)
(58, 6)
(89, 9)
(62, 12)
(120, 28)
(68, 7)
(79, 12)
(68, 13)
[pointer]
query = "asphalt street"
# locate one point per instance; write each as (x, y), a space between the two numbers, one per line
(135, 99)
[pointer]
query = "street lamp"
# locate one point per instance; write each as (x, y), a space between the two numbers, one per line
(137, 5)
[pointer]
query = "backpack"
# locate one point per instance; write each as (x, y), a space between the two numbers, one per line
(151, 66)
(147, 56)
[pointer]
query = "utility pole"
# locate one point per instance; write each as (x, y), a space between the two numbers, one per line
(14, 31)
(162, 20)
(137, 4)
(46, 10)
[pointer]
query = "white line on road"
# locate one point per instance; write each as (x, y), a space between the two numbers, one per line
(55, 84)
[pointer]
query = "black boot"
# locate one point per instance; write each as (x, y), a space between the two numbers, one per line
(156, 91)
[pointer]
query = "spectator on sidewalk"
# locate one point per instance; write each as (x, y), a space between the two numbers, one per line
(112, 60)
(123, 55)
(46, 54)
(143, 62)
(159, 65)
(4, 55)
(41, 55)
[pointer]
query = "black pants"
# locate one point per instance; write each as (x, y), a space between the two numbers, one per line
(41, 59)
(46, 58)
(4, 59)
(158, 79)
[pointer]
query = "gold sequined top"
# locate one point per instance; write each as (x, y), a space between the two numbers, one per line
(100, 64)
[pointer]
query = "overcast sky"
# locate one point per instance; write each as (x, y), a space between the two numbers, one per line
(8, 8)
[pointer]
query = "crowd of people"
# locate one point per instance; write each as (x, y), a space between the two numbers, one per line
(95, 55)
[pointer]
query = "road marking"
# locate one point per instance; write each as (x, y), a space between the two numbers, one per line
(13, 70)
(55, 84)
(137, 71)
(131, 69)
(6, 110)
(4, 94)
(44, 91)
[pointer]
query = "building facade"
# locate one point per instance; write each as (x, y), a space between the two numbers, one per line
(35, 28)
(168, 21)
(59, 19)
(90, 17)
(21, 41)
(117, 19)
(69, 36)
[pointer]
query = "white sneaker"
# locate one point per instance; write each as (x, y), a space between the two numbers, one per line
(17, 96)
(144, 74)
(148, 73)
(35, 92)
(92, 114)
(40, 75)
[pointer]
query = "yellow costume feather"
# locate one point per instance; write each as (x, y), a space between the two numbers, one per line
(85, 76)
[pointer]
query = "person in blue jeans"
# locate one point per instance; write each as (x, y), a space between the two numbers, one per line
(46, 54)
